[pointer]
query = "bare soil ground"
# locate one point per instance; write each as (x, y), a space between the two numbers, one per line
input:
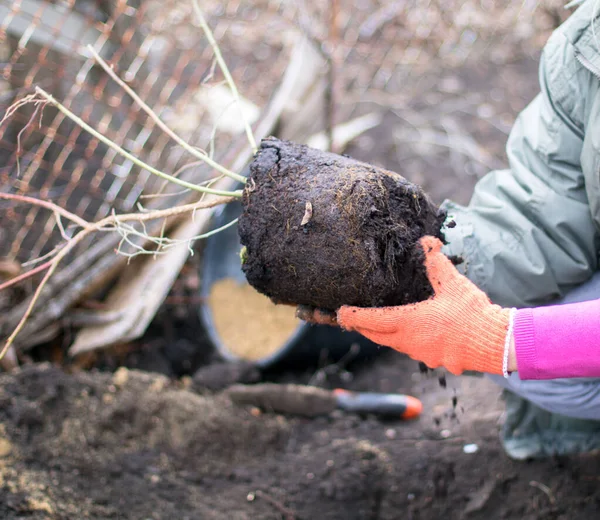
(131, 445)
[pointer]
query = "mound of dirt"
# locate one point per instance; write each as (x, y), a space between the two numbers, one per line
(135, 446)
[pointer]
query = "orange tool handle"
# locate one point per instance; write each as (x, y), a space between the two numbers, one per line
(397, 405)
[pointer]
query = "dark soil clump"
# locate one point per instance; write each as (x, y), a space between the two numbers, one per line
(326, 230)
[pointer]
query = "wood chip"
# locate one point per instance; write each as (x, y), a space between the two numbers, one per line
(308, 213)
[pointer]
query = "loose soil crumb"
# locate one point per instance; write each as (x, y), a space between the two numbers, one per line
(249, 324)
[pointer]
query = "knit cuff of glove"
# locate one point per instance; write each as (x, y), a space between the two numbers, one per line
(484, 344)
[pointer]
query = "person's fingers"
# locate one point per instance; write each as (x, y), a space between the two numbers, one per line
(324, 317)
(380, 338)
(445, 278)
(431, 244)
(393, 339)
(316, 316)
(440, 269)
(384, 320)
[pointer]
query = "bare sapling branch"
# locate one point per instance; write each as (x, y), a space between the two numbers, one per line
(48, 205)
(124, 153)
(162, 243)
(106, 224)
(223, 66)
(135, 237)
(32, 272)
(154, 116)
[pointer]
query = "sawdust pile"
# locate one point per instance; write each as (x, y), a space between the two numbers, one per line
(248, 323)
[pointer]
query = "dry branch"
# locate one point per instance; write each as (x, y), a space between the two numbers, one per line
(107, 223)
(187, 147)
(46, 97)
(219, 57)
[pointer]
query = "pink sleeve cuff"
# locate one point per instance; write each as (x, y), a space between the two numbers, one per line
(558, 341)
(525, 347)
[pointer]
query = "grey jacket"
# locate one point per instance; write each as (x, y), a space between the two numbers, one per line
(532, 232)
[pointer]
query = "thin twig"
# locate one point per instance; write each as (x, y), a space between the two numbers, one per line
(163, 213)
(26, 275)
(111, 144)
(225, 70)
(60, 227)
(164, 184)
(48, 205)
(47, 256)
(9, 361)
(53, 265)
(162, 195)
(154, 116)
(88, 228)
(21, 132)
(330, 93)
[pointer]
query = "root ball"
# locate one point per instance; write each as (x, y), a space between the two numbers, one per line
(359, 245)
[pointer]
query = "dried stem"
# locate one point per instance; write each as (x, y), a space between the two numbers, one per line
(162, 213)
(48, 205)
(225, 70)
(24, 276)
(88, 228)
(111, 144)
(161, 242)
(119, 222)
(330, 92)
(154, 116)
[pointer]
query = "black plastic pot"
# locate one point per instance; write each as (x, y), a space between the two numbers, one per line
(307, 344)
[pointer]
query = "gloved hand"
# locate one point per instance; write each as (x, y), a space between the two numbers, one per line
(458, 327)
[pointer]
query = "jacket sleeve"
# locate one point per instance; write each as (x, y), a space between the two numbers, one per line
(528, 235)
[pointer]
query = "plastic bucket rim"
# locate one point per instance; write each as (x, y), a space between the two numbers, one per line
(206, 314)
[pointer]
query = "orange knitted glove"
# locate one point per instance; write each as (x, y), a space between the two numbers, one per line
(458, 327)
